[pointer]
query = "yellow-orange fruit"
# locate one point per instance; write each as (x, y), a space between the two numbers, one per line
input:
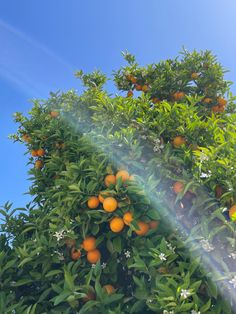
(117, 224)
(40, 152)
(130, 93)
(110, 179)
(93, 256)
(133, 79)
(138, 87)
(194, 75)
(26, 138)
(109, 289)
(34, 153)
(145, 88)
(123, 174)
(102, 195)
(54, 114)
(143, 228)
(93, 202)
(127, 218)
(75, 254)
(153, 224)
(38, 164)
(179, 141)
(178, 187)
(155, 100)
(232, 213)
(89, 244)
(222, 102)
(178, 95)
(207, 100)
(110, 204)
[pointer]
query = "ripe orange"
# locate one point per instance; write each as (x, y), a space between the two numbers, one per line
(93, 202)
(54, 114)
(138, 87)
(178, 95)
(232, 213)
(110, 179)
(153, 224)
(109, 289)
(117, 224)
(26, 138)
(130, 93)
(93, 256)
(75, 254)
(34, 153)
(127, 218)
(133, 79)
(123, 174)
(215, 109)
(222, 102)
(179, 141)
(102, 195)
(110, 204)
(89, 244)
(207, 100)
(143, 228)
(155, 100)
(70, 242)
(178, 187)
(194, 75)
(40, 152)
(38, 164)
(145, 88)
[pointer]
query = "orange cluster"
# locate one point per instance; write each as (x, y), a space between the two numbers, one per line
(137, 87)
(220, 107)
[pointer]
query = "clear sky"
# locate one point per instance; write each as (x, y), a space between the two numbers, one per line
(43, 42)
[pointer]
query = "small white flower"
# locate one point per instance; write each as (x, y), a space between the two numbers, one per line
(195, 312)
(127, 254)
(170, 247)
(104, 265)
(162, 257)
(144, 137)
(168, 312)
(233, 282)
(60, 255)
(232, 255)
(93, 266)
(185, 293)
(149, 300)
(156, 149)
(157, 141)
(203, 157)
(206, 245)
(59, 235)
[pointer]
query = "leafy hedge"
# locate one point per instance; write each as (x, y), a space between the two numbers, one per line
(161, 237)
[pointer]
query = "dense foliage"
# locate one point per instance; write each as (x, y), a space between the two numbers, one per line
(133, 196)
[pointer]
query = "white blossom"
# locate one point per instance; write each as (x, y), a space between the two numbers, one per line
(185, 293)
(104, 265)
(156, 149)
(232, 255)
(195, 312)
(59, 234)
(127, 254)
(162, 257)
(60, 255)
(233, 281)
(206, 245)
(93, 266)
(203, 157)
(168, 312)
(170, 247)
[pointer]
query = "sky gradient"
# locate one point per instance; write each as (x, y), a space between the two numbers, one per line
(44, 42)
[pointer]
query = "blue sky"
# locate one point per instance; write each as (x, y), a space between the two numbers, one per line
(44, 42)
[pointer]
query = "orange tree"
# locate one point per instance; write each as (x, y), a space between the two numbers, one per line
(133, 196)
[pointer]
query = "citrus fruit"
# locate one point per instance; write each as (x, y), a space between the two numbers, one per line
(179, 141)
(178, 187)
(38, 164)
(93, 256)
(130, 93)
(127, 218)
(93, 202)
(75, 254)
(54, 114)
(109, 289)
(89, 244)
(117, 224)
(123, 174)
(232, 213)
(40, 152)
(109, 179)
(110, 204)
(143, 228)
